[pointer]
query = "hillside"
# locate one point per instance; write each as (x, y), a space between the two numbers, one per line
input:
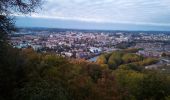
(27, 75)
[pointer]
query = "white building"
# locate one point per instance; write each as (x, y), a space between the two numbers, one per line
(95, 50)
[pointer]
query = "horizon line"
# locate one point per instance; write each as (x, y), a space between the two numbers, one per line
(79, 29)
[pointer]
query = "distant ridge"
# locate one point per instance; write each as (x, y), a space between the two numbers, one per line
(86, 30)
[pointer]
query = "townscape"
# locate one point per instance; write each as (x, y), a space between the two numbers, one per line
(86, 44)
(89, 45)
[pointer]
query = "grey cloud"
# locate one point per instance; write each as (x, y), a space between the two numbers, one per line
(132, 11)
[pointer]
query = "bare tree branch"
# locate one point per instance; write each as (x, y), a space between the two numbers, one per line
(19, 6)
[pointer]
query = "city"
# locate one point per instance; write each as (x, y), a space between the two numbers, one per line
(81, 44)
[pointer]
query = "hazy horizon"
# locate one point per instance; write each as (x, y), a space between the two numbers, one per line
(28, 22)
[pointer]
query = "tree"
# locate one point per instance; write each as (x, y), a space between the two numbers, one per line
(11, 63)
(20, 6)
(42, 90)
(6, 27)
(148, 61)
(115, 60)
(130, 66)
(154, 86)
(128, 58)
(163, 54)
(11, 72)
(101, 60)
(106, 88)
(8, 7)
(128, 83)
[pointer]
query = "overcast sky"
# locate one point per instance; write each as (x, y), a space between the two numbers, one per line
(97, 13)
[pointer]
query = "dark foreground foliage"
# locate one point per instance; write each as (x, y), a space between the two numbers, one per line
(27, 75)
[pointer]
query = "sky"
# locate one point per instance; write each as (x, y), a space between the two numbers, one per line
(101, 14)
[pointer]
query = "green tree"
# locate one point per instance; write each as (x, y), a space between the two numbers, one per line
(131, 66)
(154, 86)
(128, 83)
(148, 61)
(128, 58)
(101, 60)
(115, 60)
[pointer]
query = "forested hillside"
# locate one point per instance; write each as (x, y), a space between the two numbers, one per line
(27, 75)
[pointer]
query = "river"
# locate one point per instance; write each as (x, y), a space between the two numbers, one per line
(93, 59)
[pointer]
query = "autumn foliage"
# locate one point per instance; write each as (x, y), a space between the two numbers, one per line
(27, 75)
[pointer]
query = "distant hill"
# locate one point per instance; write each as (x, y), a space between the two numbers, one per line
(85, 30)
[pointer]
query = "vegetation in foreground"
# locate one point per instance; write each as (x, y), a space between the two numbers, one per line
(27, 75)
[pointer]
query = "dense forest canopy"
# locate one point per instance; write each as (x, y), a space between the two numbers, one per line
(28, 75)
